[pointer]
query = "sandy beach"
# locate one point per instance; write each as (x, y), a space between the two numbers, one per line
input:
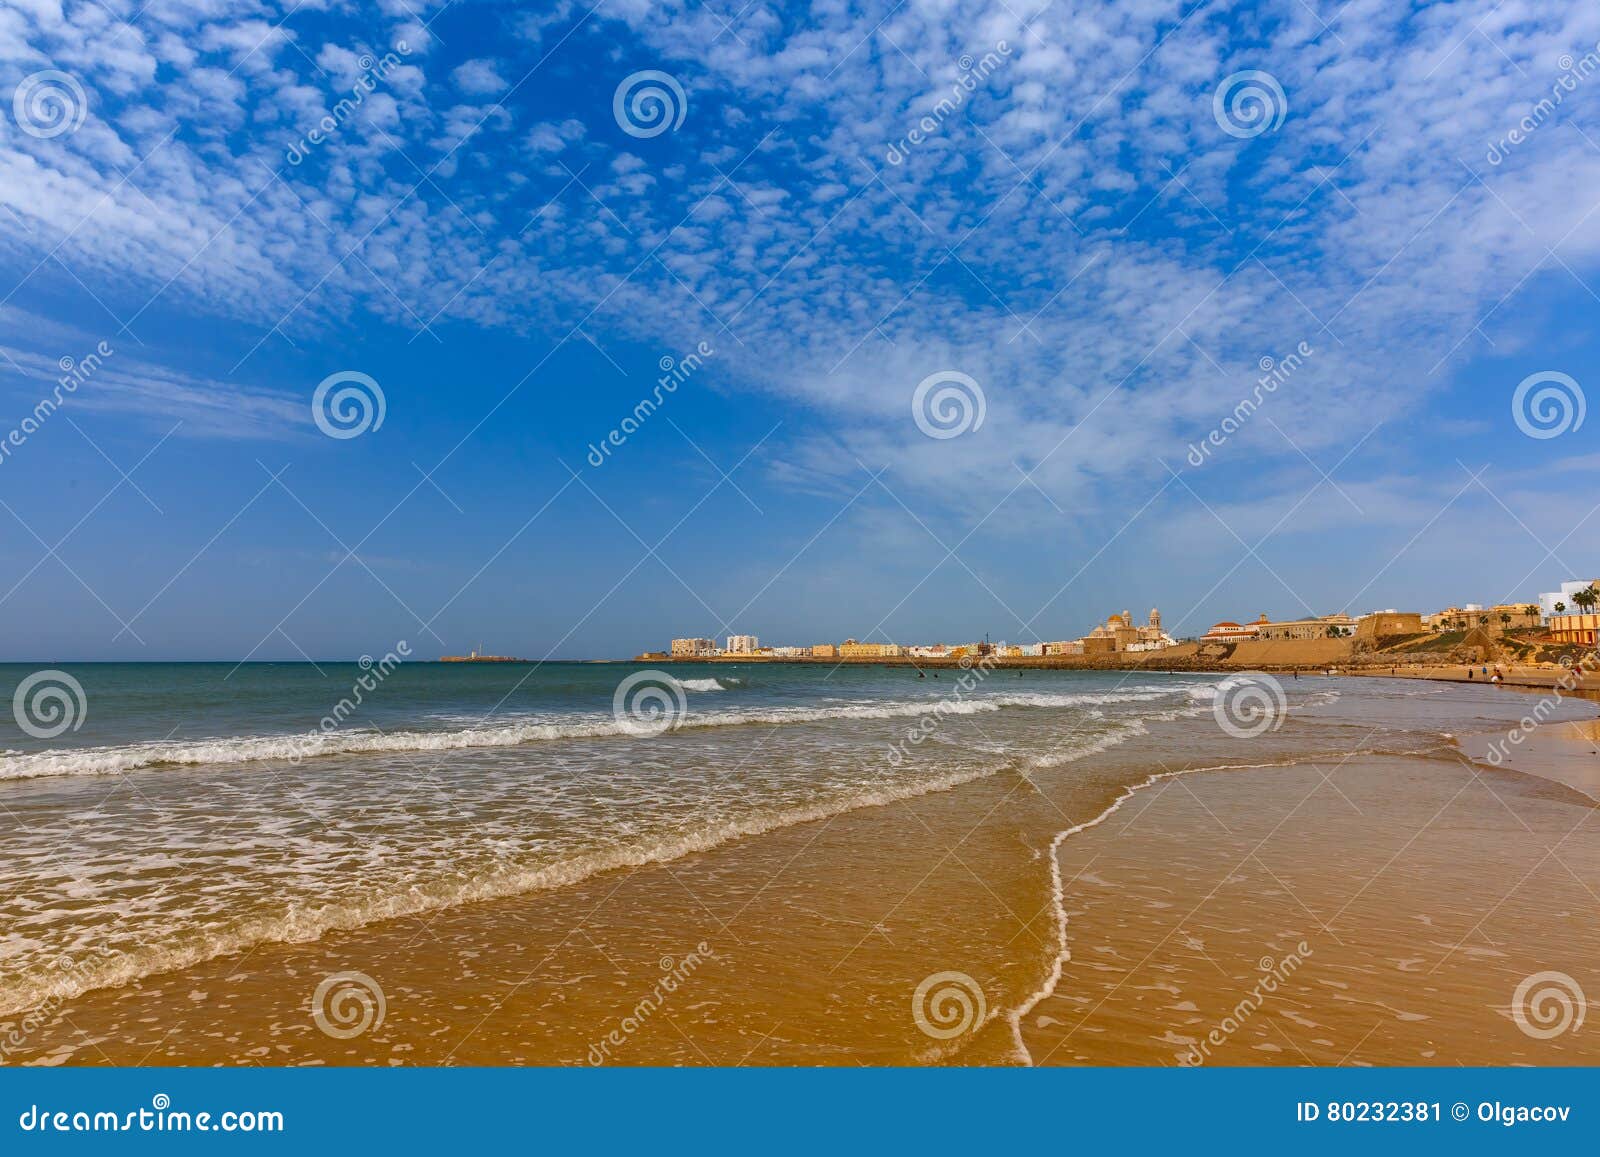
(1121, 908)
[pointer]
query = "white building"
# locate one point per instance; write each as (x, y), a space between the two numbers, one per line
(790, 652)
(1547, 602)
(743, 644)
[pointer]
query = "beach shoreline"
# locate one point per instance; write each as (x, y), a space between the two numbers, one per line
(808, 940)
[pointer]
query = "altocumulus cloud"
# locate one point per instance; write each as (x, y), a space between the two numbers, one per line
(1081, 237)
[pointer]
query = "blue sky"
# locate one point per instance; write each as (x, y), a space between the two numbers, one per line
(1106, 218)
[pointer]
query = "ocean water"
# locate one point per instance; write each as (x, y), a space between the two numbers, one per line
(198, 812)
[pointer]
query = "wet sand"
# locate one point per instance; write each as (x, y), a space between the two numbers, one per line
(1405, 901)
(1412, 890)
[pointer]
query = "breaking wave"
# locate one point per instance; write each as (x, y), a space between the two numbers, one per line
(251, 749)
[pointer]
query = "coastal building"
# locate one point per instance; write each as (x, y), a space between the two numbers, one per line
(1564, 596)
(850, 649)
(1228, 631)
(1515, 616)
(790, 652)
(927, 651)
(1320, 627)
(1387, 624)
(1118, 633)
(824, 651)
(743, 644)
(1580, 628)
(1064, 647)
(693, 648)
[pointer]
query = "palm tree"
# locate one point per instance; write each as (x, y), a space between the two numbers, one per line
(1561, 608)
(1585, 598)
(1483, 620)
(1505, 620)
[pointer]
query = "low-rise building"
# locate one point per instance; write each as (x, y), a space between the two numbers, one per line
(1580, 628)
(1063, 647)
(1228, 631)
(790, 652)
(850, 649)
(1319, 627)
(743, 644)
(1564, 596)
(693, 648)
(824, 650)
